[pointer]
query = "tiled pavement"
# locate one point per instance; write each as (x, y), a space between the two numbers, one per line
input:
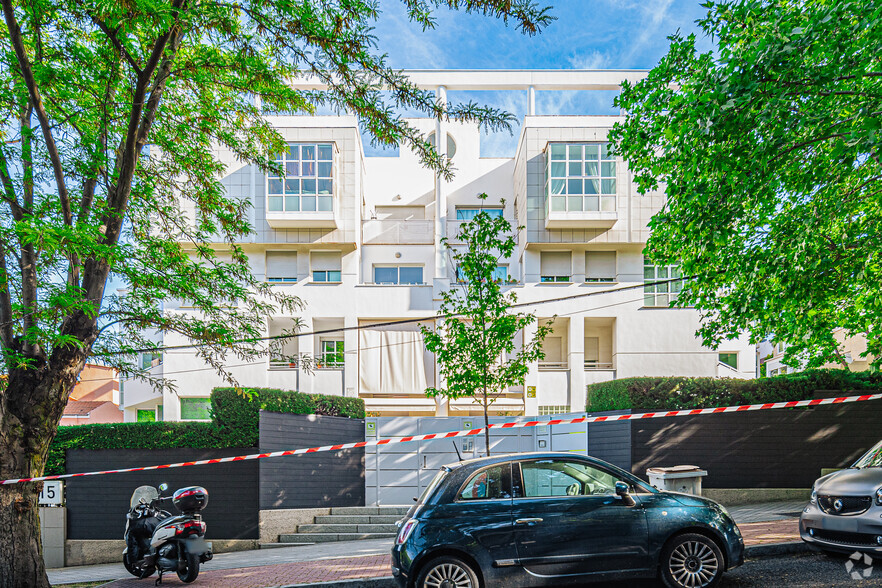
(760, 524)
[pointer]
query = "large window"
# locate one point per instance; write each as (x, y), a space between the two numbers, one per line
(663, 293)
(581, 177)
(195, 409)
(555, 266)
(500, 274)
(729, 359)
(398, 274)
(600, 266)
(468, 213)
(332, 354)
(326, 266)
(308, 183)
(552, 477)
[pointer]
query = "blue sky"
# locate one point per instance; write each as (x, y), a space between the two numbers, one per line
(588, 34)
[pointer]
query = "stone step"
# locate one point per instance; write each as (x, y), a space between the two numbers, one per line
(277, 545)
(335, 528)
(370, 510)
(357, 519)
(328, 537)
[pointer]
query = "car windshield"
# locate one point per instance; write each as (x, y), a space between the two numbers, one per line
(430, 489)
(148, 493)
(871, 459)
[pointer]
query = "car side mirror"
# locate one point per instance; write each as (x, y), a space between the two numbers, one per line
(622, 489)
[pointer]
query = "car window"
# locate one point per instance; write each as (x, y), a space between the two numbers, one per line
(487, 484)
(554, 477)
(433, 485)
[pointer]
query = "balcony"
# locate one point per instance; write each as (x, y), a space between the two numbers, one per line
(397, 232)
(317, 219)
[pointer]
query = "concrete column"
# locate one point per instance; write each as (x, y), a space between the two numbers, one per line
(531, 405)
(306, 347)
(531, 101)
(350, 364)
(576, 363)
(440, 193)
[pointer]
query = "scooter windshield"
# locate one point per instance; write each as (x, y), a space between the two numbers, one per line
(148, 493)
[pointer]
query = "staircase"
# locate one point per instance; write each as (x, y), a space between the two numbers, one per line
(348, 523)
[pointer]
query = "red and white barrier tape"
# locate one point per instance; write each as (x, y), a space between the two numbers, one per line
(471, 432)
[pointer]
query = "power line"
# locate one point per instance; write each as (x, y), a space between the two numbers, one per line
(432, 318)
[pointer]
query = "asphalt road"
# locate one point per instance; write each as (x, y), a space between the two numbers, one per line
(809, 570)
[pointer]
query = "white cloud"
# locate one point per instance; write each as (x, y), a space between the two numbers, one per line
(591, 60)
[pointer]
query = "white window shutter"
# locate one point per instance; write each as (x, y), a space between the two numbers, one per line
(600, 264)
(326, 261)
(281, 264)
(555, 263)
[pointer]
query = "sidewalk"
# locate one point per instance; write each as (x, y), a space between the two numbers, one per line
(762, 525)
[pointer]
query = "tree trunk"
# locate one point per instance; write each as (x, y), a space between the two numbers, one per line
(486, 424)
(30, 408)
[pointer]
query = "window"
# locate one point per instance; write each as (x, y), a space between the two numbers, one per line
(326, 266)
(600, 266)
(308, 183)
(146, 415)
(553, 409)
(592, 352)
(500, 274)
(555, 266)
(150, 359)
(660, 294)
(195, 409)
(398, 274)
(332, 354)
(730, 359)
(551, 477)
(451, 144)
(581, 177)
(159, 416)
(467, 214)
(488, 484)
(281, 266)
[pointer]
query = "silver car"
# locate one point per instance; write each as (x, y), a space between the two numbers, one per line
(845, 512)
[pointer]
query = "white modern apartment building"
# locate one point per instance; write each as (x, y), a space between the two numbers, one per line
(358, 240)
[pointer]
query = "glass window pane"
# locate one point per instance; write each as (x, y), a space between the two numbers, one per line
(292, 168)
(307, 203)
(575, 168)
(275, 203)
(558, 203)
(609, 186)
(590, 168)
(592, 186)
(565, 478)
(410, 275)
(307, 152)
(307, 168)
(325, 186)
(493, 212)
(648, 300)
(195, 409)
(325, 152)
(592, 151)
(558, 169)
(292, 186)
(574, 152)
(558, 151)
(648, 272)
(294, 152)
(606, 151)
(325, 168)
(385, 275)
(608, 203)
(609, 169)
(466, 214)
(500, 273)
(488, 484)
(591, 203)
(557, 186)
(574, 187)
(147, 415)
(308, 186)
(292, 203)
(275, 186)
(661, 272)
(319, 276)
(574, 203)
(335, 276)
(325, 203)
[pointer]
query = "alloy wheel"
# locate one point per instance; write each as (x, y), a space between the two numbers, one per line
(447, 575)
(693, 564)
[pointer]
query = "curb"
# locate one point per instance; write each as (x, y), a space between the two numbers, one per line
(385, 582)
(775, 549)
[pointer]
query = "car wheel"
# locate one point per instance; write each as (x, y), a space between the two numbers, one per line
(691, 561)
(447, 572)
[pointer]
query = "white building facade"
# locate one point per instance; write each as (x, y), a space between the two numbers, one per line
(358, 240)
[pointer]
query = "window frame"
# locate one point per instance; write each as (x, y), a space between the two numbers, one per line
(650, 288)
(327, 276)
(734, 354)
(341, 352)
(476, 210)
(286, 198)
(519, 477)
(278, 279)
(605, 279)
(397, 267)
(187, 398)
(602, 200)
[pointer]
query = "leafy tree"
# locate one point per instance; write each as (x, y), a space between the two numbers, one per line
(769, 150)
(112, 112)
(474, 340)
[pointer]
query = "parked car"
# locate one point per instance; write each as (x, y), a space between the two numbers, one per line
(549, 519)
(845, 512)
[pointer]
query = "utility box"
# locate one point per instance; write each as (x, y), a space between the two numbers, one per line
(681, 478)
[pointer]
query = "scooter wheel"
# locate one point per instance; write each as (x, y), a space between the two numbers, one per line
(192, 570)
(135, 570)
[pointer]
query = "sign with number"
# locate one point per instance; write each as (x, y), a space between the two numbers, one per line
(52, 493)
(531, 391)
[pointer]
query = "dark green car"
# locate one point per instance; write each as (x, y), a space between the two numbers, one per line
(550, 519)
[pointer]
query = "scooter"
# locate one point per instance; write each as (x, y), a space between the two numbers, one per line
(157, 540)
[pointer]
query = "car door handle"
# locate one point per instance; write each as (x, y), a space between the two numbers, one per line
(527, 521)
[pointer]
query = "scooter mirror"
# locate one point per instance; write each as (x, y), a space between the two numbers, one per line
(163, 487)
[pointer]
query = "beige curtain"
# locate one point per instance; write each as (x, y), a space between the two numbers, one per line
(391, 362)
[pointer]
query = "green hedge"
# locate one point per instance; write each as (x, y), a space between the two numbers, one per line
(235, 418)
(679, 393)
